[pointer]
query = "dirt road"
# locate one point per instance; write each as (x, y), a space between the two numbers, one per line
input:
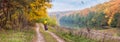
(40, 38)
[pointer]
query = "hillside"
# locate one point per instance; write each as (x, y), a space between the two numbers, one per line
(108, 8)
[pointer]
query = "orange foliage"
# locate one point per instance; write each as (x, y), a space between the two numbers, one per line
(109, 8)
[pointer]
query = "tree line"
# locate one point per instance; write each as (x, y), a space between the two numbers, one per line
(92, 19)
(22, 13)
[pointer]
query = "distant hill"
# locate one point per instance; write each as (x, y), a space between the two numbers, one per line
(109, 8)
(67, 13)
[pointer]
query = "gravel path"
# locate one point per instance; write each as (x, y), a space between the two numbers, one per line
(56, 37)
(40, 38)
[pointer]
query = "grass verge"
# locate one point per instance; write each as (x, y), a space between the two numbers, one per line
(47, 36)
(69, 37)
(17, 35)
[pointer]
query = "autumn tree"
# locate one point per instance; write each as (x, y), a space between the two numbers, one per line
(20, 13)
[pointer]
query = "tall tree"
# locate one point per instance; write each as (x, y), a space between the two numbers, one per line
(15, 13)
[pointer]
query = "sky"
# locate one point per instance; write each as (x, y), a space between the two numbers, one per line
(66, 5)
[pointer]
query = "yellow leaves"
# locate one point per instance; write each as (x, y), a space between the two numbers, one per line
(32, 4)
(111, 9)
(107, 11)
(37, 15)
(110, 20)
(38, 9)
(48, 5)
(109, 16)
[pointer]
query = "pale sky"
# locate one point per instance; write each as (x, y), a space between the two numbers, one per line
(66, 5)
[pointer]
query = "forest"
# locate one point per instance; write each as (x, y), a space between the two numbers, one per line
(93, 19)
(106, 14)
(22, 13)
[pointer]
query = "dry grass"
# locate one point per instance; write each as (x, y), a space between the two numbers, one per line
(17, 35)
